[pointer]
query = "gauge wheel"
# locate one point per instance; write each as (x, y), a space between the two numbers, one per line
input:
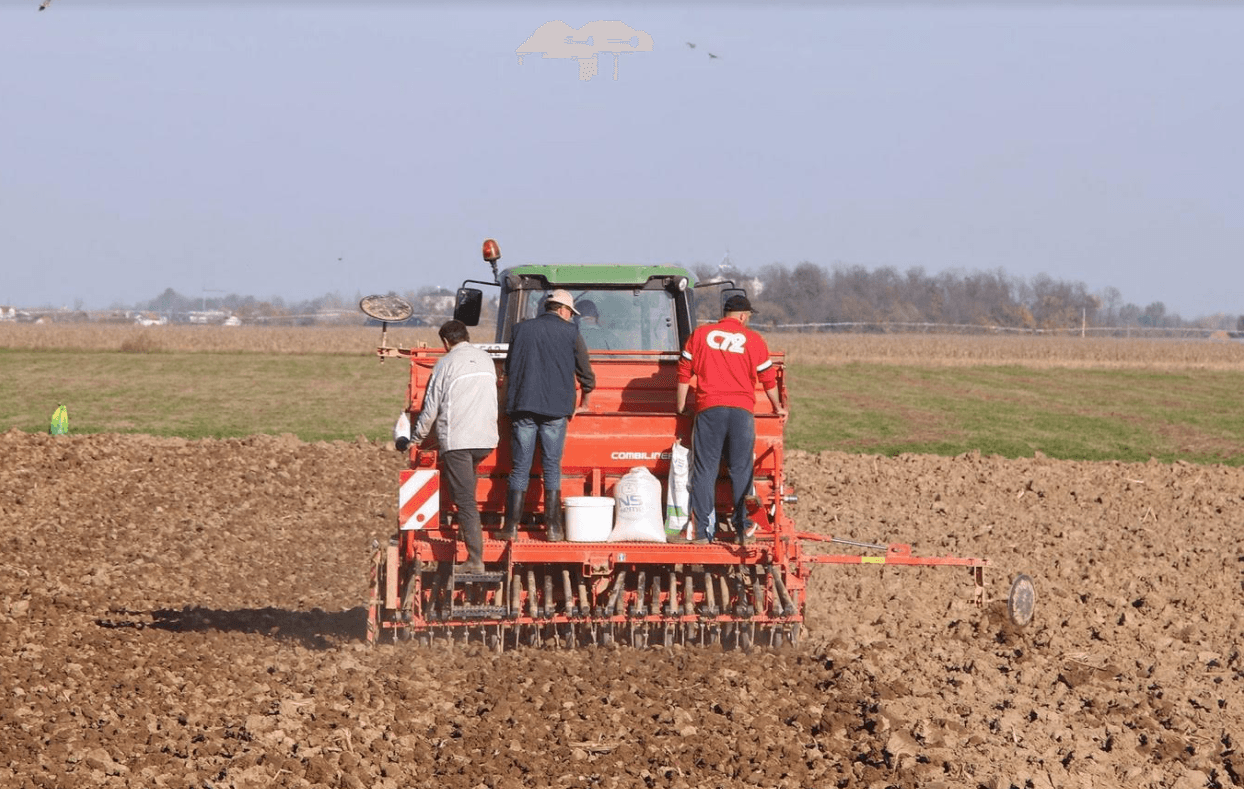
(1021, 601)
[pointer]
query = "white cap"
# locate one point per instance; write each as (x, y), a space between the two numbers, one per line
(563, 298)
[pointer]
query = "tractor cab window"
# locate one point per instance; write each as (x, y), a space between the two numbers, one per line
(618, 320)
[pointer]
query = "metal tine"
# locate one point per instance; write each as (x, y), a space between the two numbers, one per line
(788, 605)
(776, 608)
(654, 605)
(710, 596)
(567, 593)
(710, 605)
(740, 593)
(617, 601)
(585, 605)
(516, 597)
(641, 584)
(671, 602)
(758, 595)
(532, 598)
(588, 630)
(688, 605)
(548, 609)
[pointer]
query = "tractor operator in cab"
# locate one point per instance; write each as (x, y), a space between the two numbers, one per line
(460, 405)
(727, 359)
(547, 354)
(595, 336)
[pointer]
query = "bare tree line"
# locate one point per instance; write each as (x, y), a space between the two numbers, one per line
(808, 294)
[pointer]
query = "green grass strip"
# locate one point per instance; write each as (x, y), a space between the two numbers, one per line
(1016, 411)
(197, 395)
(1073, 414)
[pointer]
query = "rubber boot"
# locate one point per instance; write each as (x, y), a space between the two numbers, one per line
(553, 516)
(513, 514)
(474, 540)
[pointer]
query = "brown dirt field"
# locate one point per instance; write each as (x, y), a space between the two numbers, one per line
(189, 614)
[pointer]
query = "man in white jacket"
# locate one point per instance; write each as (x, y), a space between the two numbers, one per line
(460, 406)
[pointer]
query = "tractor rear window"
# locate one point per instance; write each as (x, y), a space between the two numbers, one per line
(618, 320)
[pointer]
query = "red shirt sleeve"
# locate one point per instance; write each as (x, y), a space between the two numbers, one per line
(765, 371)
(686, 357)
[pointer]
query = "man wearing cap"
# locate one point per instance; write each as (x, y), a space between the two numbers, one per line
(546, 357)
(727, 360)
(595, 336)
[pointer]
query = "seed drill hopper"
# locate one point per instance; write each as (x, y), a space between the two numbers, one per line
(734, 592)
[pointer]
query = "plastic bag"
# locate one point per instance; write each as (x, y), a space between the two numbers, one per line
(637, 508)
(678, 495)
(401, 432)
(60, 421)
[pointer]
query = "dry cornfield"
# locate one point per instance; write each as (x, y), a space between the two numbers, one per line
(1026, 351)
(906, 349)
(211, 339)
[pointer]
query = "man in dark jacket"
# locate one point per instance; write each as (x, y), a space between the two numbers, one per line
(546, 356)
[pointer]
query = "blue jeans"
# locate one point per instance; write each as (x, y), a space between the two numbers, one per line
(731, 431)
(525, 428)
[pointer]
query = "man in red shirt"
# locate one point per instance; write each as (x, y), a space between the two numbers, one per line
(727, 359)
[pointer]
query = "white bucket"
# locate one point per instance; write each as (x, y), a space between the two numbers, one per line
(588, 518)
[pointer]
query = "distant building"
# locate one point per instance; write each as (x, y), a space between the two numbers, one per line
(208, 316)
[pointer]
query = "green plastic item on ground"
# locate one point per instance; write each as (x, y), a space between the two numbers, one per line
(60, 421)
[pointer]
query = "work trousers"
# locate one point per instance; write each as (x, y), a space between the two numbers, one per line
(459, 467)
(718, 431)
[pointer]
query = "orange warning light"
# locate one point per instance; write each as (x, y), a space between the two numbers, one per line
(492, 252)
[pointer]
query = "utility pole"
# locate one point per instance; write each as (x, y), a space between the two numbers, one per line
(207, 290)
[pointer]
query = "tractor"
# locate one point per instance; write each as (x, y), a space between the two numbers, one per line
(736, 593)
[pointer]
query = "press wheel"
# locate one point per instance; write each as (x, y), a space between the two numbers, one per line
(1021, 601)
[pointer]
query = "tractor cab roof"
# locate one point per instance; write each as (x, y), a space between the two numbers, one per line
(599, 275)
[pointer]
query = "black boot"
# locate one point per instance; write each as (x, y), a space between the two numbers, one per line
(513, 514)
(553, 516)
(473, 538)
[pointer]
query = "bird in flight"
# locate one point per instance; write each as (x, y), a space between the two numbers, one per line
(688, 43)
(711, 55)
(44, 4)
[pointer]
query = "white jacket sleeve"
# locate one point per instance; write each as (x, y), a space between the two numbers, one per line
(431, 406)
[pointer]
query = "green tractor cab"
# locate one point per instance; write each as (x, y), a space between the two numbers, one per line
(622, 307)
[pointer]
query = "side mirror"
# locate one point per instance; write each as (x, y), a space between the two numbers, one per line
(469, 303)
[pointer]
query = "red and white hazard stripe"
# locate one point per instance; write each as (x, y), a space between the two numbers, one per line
(419, 499)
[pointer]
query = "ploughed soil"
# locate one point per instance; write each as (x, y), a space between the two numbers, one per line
(190, 614)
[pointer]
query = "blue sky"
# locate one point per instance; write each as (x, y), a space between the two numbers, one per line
(295, 148)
